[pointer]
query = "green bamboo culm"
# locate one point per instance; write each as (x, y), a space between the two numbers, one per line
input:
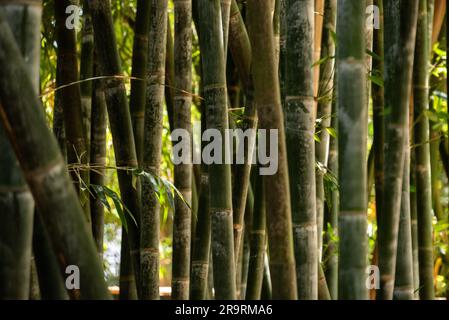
(98, 160)
(16, 201)
(182, 171)
(300, 130)
(277, 195)
(324, 112)
(86, 73)
(70, 98)
(215, 95)
(240, 48)
(403, 283)
(330, 251)
(422, 154)
(378, 111)
(51, 281)
(109, 65)
(139, 66)
(352, 136)
(400, 28)
(45, 170)
(150, 218)
(257, 244)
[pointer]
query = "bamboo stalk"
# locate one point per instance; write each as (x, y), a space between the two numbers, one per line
(324, 112)
(352, 133)
(378, 112)
(240, 48)
(139, 66)
(150, 218)
(183, 172)
(300, 129)
(87, 72)
(400, 26)
(70, 96)
(257, 244)
(421, 136)
(403, 284)
(51, 282)
(44, 169)
(214, 81)
(119, 119)
(16, 202)
(277, 195)
(98, 158)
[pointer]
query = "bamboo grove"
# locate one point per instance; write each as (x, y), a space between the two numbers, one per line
(228, 149)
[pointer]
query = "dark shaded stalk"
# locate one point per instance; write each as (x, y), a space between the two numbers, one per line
(201, 242)
(16, 201)
(51, 282)
(87, 72)
(277, 194)
(150, 218)
(45, 171)
(183, 171)
(170, 76)
(352, 135)
(119, 118)
(257, 243)
(214, 92)
(127, 280)
(139, 66)
(400, 28)
(378, 112)
(403, 284)
(324, 113)
(240, 48)
(98, 161)
(414, 221)
(70, 98)
(300, 130)
(421, 138)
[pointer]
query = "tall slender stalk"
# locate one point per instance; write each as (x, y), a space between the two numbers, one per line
(139, 66)
(87, 72)
(149, 232)
(119, 118)
(400, 26)
(51, 282)
(183, 172)
(421, 136)
(257, 244)
(16, 202)
(352, 133)
(277, 194)
(45, 170)
(98, 160)
(214, 82)
(378, 111)
(324, 112)
(240, 48)
(330, 254)
(300, 130)
(70, 97)
(403, 284)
